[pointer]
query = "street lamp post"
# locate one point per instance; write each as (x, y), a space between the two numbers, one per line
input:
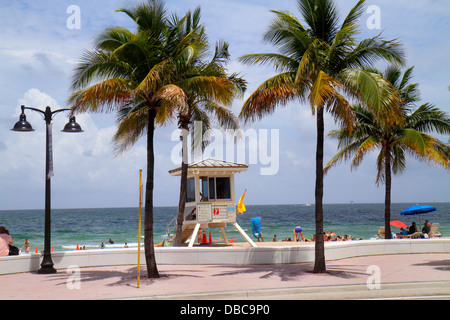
(24, 126)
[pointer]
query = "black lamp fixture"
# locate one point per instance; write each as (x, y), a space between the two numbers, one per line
(24, 126)
(72, 126)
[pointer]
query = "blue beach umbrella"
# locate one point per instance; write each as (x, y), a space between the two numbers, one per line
(417, 209)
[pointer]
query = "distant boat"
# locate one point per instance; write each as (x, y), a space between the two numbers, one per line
(307, 205)
(352, 202)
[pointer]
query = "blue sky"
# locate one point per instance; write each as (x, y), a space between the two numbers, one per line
(38, 53)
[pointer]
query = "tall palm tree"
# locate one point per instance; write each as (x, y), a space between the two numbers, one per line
(132, 76)
(395, 137)
(208, 90)
(320, 62)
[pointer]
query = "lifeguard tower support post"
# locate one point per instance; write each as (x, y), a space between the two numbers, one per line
(210, 199)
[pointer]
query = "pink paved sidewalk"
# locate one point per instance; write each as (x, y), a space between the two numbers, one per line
(120, 282)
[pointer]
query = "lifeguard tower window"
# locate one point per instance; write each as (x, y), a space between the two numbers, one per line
(190, 190)
(212, 189)
(223, 188)
(204, 189)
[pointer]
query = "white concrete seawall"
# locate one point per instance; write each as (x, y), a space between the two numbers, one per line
(226, 255)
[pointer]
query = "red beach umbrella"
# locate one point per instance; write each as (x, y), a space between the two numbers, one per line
(398, 224)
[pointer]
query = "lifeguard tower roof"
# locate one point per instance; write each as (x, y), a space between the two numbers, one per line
(210, 164)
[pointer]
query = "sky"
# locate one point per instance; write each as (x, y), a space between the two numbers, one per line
(42, 41)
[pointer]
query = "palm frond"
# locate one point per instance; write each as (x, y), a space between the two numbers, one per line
(131, 127)
(378, 94)
(280, 62)
(322, 90)
(354, 15)
(106, 96)
(278, 90)
(96, 66)
(369, 51)
(428, 118)
(321, 17)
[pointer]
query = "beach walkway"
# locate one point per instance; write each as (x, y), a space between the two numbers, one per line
(410, 276)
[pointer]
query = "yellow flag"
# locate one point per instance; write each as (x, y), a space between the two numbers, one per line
(241, 206)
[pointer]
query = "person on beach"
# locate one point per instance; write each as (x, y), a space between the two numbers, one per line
(425, 230)
(27, 246)
(257, 228)
(333, 236)
(412, 228)
(326, 236)
(5, 241)
(298, 234)
(199, 236)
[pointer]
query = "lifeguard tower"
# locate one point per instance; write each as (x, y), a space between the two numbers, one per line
(210, 198)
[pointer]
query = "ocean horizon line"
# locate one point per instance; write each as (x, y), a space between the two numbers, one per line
(250, 204)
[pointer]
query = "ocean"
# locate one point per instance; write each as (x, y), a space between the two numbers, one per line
(91, 227)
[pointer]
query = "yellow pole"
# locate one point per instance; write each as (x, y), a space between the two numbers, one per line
(139, 232)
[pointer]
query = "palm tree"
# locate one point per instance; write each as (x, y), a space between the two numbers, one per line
(132, 75)
(208, 90)
(319, 62)
(395, 137)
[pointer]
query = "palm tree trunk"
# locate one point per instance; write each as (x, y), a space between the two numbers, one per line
(387, 198)
(184, 172)
(152, 270)
(319, 265)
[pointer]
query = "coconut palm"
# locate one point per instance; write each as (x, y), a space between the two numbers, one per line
(208, 90)
(395, 138)
(320, 61)
(133, 76)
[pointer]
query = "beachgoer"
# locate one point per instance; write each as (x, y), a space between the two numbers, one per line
(257, 228)
(5, 241)
(126, 245)
(27, 246)
(402, 234)
(199, 236)
(274, 238)
(412, 228)
(110, 241)
(425, 230)
(333, 236)
(102, 245)
(298, 234)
